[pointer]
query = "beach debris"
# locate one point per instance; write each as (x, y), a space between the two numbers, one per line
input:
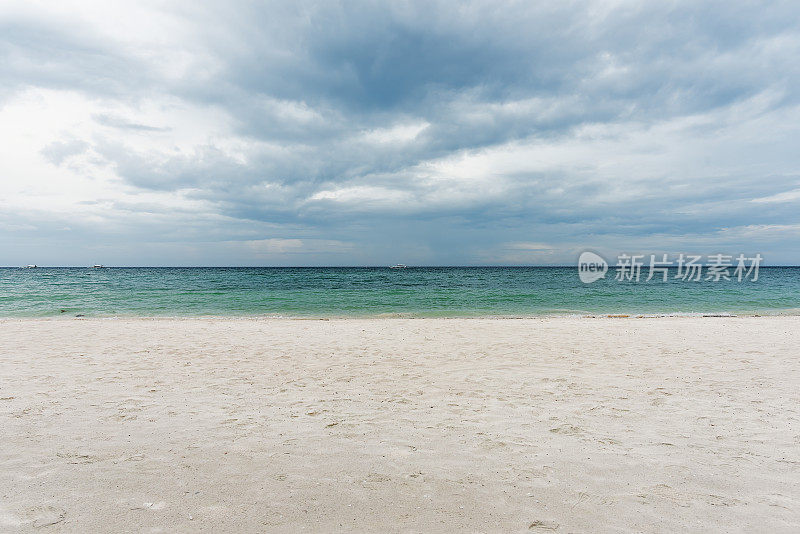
(151, 506)
(334, 423)
(543, 525)
(617, 316)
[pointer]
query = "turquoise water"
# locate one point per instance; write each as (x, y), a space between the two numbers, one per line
(332, 292)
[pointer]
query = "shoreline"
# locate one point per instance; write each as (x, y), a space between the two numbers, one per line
(401, 316)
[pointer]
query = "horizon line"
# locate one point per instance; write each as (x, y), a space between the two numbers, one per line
(386, 266)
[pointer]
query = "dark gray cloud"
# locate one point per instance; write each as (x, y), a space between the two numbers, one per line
(448, 128)
(60, 54)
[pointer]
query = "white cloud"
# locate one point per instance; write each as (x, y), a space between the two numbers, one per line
(786, 196)
(399, 133)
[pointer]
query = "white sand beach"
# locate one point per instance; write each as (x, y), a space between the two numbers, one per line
(400, 425)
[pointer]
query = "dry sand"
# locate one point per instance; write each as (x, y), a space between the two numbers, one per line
(400, 425)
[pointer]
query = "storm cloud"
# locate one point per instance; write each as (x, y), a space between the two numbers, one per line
(306, 133)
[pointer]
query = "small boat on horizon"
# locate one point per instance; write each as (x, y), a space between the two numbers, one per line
(399, 266)
(98, 266)
(31, 266)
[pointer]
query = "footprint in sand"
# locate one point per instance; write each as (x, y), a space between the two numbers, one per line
(43, 516)
(78, 458)
(582, 498)
(567, 429)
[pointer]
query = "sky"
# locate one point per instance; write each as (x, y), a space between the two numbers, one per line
(372, 133)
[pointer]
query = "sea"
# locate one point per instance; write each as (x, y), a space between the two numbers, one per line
(327, 292)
